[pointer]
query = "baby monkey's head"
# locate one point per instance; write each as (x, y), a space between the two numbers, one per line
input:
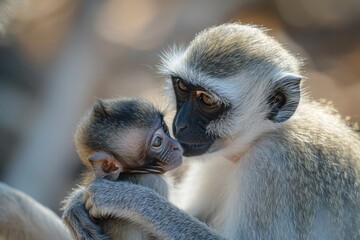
(126, 135)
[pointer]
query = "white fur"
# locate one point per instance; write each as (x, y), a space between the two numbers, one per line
(206, 189)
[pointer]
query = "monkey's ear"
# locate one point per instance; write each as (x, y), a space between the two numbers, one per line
(285, 98)
(105, 165)
(100, 107)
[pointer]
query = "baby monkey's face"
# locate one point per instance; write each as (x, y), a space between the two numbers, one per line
(130, 137)
(162, 153)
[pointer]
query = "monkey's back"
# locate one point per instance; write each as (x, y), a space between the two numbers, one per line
(118, 229)
(316, 163)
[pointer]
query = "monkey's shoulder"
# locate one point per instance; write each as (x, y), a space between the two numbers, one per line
(315, 146)
(316, 130)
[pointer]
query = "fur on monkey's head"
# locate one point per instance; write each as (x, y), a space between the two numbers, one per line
(245, 69)
(111, 124)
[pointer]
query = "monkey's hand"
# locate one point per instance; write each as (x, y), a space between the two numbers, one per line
(78, 220)
(124, 200)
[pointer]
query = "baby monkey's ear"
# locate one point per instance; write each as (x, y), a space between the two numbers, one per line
(100, 108)
(105, 165)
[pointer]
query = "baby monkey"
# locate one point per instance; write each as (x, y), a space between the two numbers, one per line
(126, 140)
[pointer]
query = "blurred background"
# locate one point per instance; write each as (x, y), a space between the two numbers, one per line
(57, 57)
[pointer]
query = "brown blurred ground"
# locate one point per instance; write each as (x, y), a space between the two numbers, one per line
(59, 56)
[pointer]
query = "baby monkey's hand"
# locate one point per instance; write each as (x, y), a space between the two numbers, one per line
(96, 199)
(104, 199)
(77, 219)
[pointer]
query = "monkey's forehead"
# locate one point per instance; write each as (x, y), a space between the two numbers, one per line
(133, 111)
(113, 132)
(227, 50)
(130, 143)
(224, 50)
(133, 133)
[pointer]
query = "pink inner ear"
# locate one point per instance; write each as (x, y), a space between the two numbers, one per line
(109, 167)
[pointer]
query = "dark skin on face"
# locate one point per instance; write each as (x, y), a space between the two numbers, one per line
(162, 153)
(195, 109)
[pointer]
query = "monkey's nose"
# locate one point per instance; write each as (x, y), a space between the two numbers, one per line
(181, 128)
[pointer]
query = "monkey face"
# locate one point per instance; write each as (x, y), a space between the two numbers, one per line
(127, 135)
(232, 82)
(163, 152)
(149, 149)
(195, 109)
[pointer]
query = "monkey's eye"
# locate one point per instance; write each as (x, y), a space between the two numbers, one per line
(207, 99)
(181, 85)
(157, 142)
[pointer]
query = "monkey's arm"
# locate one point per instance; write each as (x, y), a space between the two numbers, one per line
(21, 217)
(77, 218)
(142, 205)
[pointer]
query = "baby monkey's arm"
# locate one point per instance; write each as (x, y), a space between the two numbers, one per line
(139, 204)
(124, 200)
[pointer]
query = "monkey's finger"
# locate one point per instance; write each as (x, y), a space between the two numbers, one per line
(88, 204)
(82, 227)
(93, 212)
(85, 197)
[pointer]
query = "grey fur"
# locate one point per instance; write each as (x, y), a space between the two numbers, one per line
(153, 212)
(97, 133)
(133, 203)
(118, 229)
(77, 219)
(222, 51)
(22, 218)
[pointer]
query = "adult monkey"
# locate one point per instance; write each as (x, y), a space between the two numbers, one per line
(268, 172)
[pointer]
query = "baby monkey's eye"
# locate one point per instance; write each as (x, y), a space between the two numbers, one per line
(157, 142)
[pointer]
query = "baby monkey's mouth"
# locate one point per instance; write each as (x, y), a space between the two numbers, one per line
(146, 170)
(159, 166)
(155, 167)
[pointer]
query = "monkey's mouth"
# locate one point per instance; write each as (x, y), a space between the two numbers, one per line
(194, 149)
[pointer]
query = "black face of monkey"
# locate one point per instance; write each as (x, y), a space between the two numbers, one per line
(195, 109)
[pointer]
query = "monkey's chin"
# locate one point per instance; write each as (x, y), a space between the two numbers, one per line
(192, 150)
